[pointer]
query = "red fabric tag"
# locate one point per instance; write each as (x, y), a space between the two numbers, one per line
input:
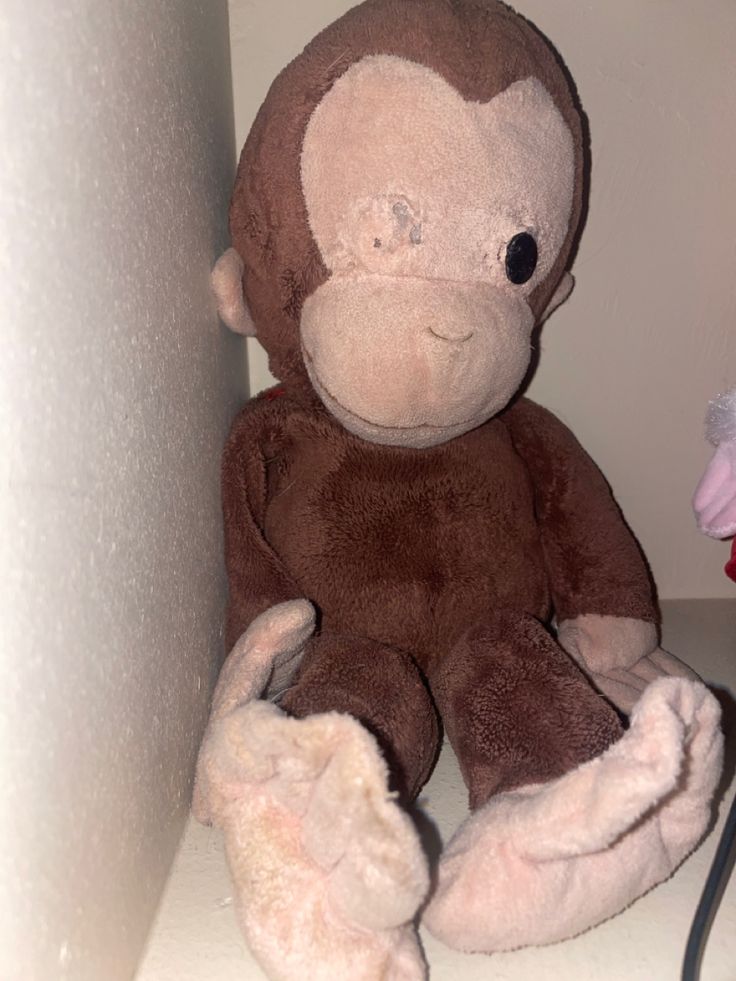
(272, 393)
(730, 568)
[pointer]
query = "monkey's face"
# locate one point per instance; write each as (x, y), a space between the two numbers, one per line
(436, 219)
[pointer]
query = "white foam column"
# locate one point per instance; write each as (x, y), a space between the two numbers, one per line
(116, 387)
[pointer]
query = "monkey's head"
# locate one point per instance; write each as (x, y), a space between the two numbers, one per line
(403, 215)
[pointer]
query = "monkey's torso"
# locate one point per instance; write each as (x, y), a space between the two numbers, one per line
(436, 567)
(408, 547)
(404, 546)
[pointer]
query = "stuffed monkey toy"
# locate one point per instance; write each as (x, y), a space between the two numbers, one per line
(403, 528)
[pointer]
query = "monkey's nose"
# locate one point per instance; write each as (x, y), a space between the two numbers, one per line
(451, 332)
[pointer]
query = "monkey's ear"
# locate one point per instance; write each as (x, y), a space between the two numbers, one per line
(564, 289)
(226, 281)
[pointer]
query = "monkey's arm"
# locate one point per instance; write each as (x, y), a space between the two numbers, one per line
(257, 579)
(595, 565)
(601, 588)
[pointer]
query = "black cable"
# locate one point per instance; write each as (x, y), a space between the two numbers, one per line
(720, 873)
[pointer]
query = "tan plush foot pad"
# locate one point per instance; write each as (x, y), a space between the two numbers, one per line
(327, 870)
(545, 863)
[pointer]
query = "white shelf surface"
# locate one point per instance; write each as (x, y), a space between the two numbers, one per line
(196, 937)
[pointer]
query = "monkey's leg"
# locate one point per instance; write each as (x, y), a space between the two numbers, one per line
(381, 688)
(515, 707)
(545, 861)
(327, 869)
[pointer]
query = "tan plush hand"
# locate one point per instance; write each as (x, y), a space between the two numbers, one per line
(620, 655)
(261, 664)
(265, 658)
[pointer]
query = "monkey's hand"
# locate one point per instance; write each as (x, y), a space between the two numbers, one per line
(620, 655)
(262, 662)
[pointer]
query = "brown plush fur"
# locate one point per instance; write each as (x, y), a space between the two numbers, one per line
(383, 688)
(413, 556)
(433, 571)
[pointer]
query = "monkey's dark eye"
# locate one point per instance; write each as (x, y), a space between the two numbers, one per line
(521, 258)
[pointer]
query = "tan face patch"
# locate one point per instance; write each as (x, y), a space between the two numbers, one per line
(407, 183)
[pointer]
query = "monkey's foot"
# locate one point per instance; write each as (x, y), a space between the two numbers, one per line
(328, 871)
(546, 862)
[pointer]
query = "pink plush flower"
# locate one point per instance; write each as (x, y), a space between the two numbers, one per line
(715, 498)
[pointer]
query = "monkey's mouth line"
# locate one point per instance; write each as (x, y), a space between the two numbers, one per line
(377, 425)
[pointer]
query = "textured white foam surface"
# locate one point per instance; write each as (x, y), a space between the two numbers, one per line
(117, 385)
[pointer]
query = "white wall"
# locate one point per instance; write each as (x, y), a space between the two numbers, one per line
(650, 333)
(116, 387)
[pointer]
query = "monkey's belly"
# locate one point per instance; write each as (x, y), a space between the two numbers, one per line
(412, 554)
